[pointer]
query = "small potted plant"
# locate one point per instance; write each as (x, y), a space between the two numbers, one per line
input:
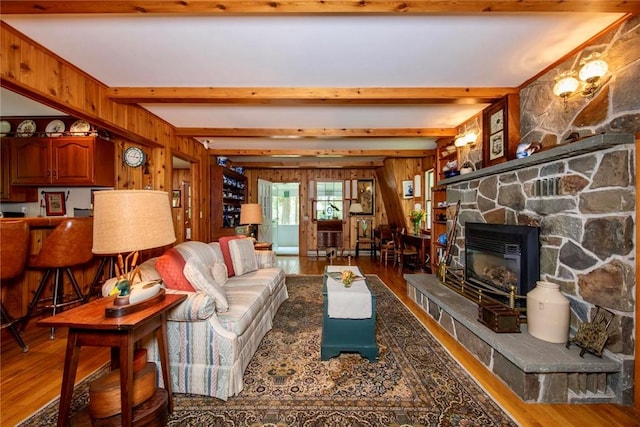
(416, 217)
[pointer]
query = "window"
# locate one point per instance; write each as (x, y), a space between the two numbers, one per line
(329, 200)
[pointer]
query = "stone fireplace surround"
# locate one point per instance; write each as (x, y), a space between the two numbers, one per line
(587, 246)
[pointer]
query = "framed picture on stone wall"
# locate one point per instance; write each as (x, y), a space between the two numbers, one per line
(494, 128)
(501, 130)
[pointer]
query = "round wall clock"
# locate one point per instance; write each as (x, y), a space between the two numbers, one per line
(134, 157)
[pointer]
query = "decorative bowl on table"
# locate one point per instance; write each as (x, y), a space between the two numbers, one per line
(346, 277)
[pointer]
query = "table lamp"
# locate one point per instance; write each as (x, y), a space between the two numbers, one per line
(355, 208)
(251, 214)
(129, 221)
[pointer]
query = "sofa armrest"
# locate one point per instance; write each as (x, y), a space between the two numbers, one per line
(266, 259)
(197, 306)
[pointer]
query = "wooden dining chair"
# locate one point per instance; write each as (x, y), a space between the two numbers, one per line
(387, 249)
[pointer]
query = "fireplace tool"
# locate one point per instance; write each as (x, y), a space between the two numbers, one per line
(445, 257)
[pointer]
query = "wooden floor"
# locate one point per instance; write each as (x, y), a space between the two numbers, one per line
(31, 380)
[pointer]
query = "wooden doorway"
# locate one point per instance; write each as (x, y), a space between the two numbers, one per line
(184, 179)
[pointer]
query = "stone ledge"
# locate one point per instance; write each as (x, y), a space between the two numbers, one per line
(587, 145)
(528, 353)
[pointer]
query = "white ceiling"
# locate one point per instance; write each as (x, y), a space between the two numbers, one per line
(12, 104)
(386, 51)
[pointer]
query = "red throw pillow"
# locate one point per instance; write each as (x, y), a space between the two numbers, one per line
(226, 254)
(170, 266)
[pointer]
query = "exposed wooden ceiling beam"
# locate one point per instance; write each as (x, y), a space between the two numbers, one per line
(315, 133)
(308, 95)
(310, 164)
(314, 6)
(336, 154)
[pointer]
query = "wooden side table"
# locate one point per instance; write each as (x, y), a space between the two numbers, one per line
(263, 246)
(88, 325)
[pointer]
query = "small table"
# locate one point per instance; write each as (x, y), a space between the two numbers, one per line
(420, 242)
(88, 325)
(263, 246)
(352, 335)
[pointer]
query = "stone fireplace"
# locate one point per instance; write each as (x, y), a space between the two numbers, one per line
(582, 198)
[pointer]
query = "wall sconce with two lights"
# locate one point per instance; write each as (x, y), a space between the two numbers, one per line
(465, 138)
(591, 73)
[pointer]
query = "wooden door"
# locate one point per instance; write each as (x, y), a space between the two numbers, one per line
(30, 161)
(265, 231)
(72, 161)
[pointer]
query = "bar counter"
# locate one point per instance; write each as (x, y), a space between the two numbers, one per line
(18, 292)
(39, 221)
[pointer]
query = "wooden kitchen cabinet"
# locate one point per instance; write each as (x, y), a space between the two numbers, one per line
(60, 161)
(8, 192)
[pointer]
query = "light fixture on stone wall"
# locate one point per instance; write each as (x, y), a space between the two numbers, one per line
(466, 137)
(591, 73)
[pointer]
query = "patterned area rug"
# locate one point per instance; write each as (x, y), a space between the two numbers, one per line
(414, 383)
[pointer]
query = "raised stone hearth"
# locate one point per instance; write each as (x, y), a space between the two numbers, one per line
(535, 370)
(582, 197)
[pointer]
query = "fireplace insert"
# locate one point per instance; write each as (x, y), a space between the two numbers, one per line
(500, 257)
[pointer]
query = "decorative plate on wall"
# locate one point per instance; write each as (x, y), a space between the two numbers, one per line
(55, 128)
(80, 128)
(26, 128)
(5, 128)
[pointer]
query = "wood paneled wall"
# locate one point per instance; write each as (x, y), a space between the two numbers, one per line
(33, 71)
(398, 169)
(37, 73)
(308, 236)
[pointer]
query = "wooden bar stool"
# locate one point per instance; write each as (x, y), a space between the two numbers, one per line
(14, 247)
(95, 289)
(68, 245)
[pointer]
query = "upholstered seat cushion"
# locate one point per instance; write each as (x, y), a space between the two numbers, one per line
(269, 277)
(245, 302)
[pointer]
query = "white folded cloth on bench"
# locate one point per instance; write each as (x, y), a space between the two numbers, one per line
(347, 303)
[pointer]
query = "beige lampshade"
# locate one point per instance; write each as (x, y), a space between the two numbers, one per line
(131, 220)
(565, 86)
(355, 208)
(593, 69)
(250, 214)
